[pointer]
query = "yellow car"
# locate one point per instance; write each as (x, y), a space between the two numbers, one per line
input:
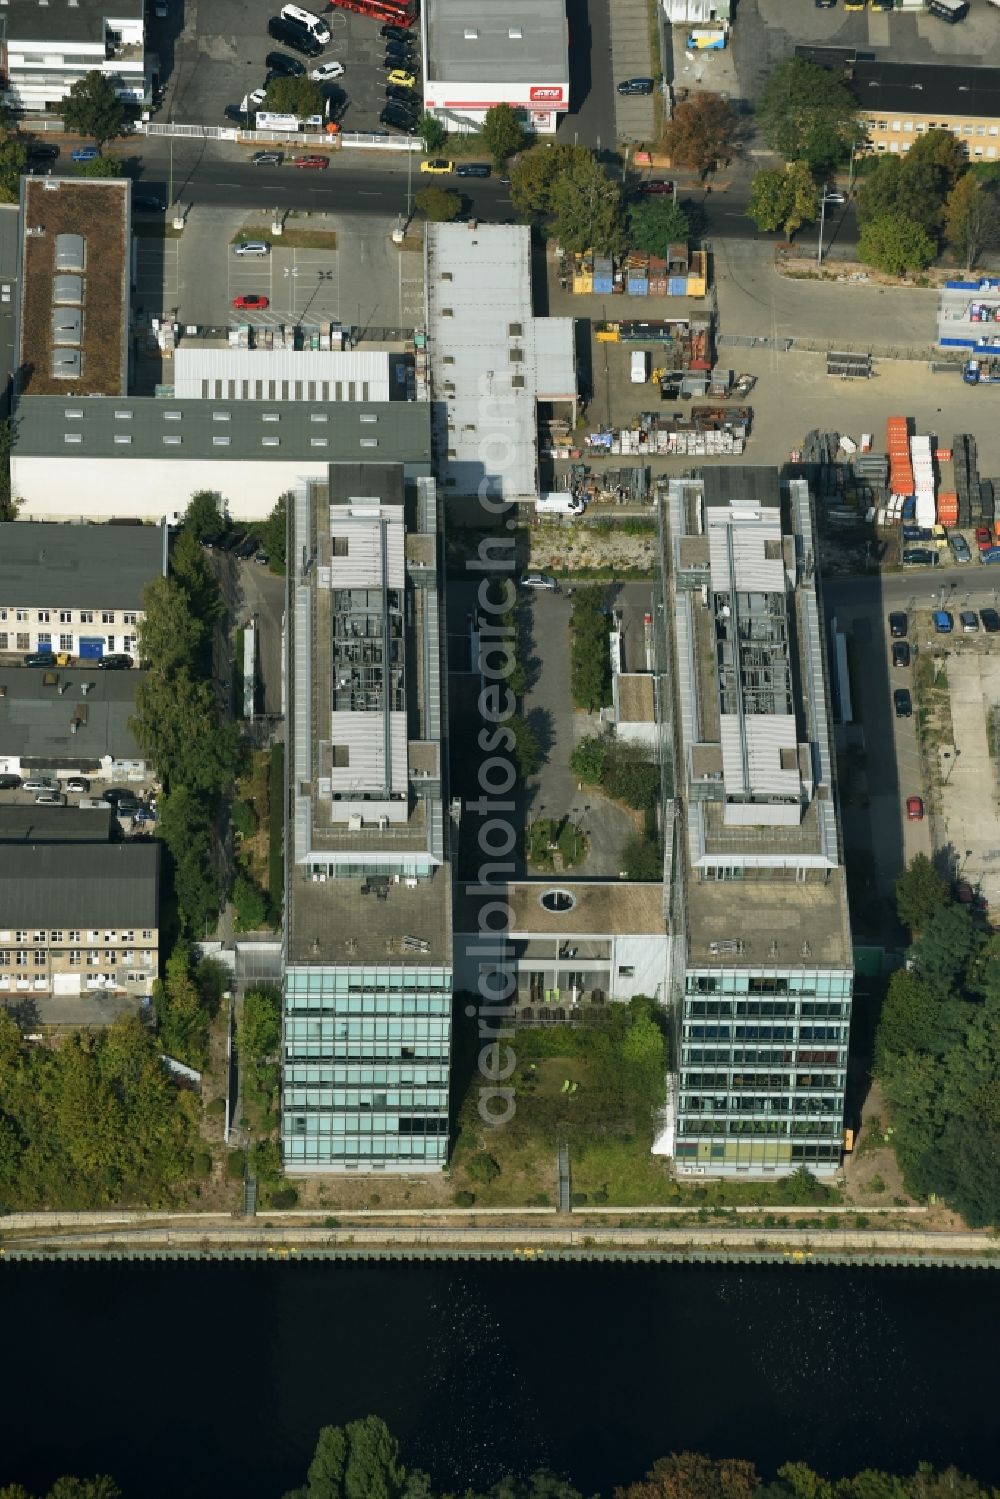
(401, 78)
(438, 167)
(854, 4)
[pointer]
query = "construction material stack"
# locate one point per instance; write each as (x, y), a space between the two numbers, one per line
(965, 460)
(922, 465)
(947, 500)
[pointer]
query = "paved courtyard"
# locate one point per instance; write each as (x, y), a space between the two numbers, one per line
(968, 823)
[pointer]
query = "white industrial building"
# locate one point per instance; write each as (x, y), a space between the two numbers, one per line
(476, 57)
(48, 48)
(491, 359)
(236, 374)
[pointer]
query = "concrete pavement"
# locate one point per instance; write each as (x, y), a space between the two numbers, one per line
(632, 57)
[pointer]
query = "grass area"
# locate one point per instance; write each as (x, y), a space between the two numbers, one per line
(252, 788)
(932, 700)
(291, 237)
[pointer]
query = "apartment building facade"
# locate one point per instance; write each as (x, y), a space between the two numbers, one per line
(902, 101)
(75, 589)
(762, 975)
(368, 975)
(79, 918)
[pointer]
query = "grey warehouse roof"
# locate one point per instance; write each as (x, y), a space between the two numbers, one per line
(43, 564)
(21, 822)
(36, 717)
(151, 427)
(64, 21)
(539, 53)
(80, 885)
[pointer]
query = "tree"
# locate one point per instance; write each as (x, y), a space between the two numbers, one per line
(99, 166)
(432, 133)
(640, 859)
(701, 132)
(203, 516)
(93, 108)
(690, 1475)
(483, 1168)
(273, 535)
(894, 244)
(920, 891)
(586, 208)
(183, 1021)
(170, 635)
(533, 177)
(908, 1021)
(8, 436)
(806, 113)
(784, 200)
(13, 160)
(294, 96)
(357, 1461)
(590, 663)
(527, 752)
(260, 1023)
(588, 758)
(656, 224)
(503, 134)
(947, 942)
(438, 205)
(249, 905)
(972, 219)
(191, 569)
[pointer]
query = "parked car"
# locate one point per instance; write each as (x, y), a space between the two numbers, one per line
(236, 114)
(943, 622)
(267, 158)
(404, 96)
(400, 77)
(296, 37)
(39, 658)
(50, 799)
(246, 548)
(116, 661)
(252, 248)
(85, 153)
(249, 301)
(286, 67)
(394, 33)
(41, 783)
(540, 580)
(472, 169)
(256, 98)
(311, 163)
(984, 537)
(327, 71)
(398, 118)
(262, 558)
(900, 653)
(969, 620)
(991, 621)
(959, 547)
(920, 557)
(144, 204)
(655, 187)
(41, 154)
(902, 702)
(9, 783)
(77, 783)
(116, 794)
(897, 624)
(915, 808)
(438, 166)
(636, 86)
(832, 195)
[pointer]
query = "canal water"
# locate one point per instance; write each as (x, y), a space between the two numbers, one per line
(213, 1378)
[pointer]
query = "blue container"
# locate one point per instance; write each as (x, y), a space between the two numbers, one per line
(603, 285)
(910, 507)
(677, 286)
(638, 286)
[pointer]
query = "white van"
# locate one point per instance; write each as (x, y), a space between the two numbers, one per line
(640, 367)
(559, 503)
(319, 29)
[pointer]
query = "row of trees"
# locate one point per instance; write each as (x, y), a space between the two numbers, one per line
(93, 1121)
(909, 205)
(362, 1460)
(937, 1050)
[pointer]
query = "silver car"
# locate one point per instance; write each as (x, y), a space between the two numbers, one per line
(254, 248)
(540, 580)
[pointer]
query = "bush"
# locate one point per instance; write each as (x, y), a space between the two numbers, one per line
(265, 1160)
(601, 1195)
(201, 1166)
(587, 759)
(249, 906)
(283, 1197)
(483, 1168)
(244, 819)
(579, 1199)
(641, 859)
(216, 1108)
(236, 1165)
(464, 1199)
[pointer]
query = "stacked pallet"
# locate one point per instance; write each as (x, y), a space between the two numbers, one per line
(965, 460)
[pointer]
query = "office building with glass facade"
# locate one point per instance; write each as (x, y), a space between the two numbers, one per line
(761, 974)
(368, 977)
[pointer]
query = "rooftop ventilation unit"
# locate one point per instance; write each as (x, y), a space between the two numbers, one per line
(71, 252)
(515, 33)
(65, 364)
(471, 34)
(67, 325)
(67, 291)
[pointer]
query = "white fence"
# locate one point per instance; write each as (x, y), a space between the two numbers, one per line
(354, 141)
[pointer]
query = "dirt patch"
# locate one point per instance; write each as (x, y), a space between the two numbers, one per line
(586, 549)
(96, 210)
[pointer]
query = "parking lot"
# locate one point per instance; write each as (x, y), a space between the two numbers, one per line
(216, 57)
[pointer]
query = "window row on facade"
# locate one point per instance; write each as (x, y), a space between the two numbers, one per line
(68, 616)
(374, 1002)
(56, 936)
(768, 1009)
(355, 1149)
(366, 1124)
(41, 957)
(366, 1051)
(344, 980)
(769, 1081)
(345, 1098)
(379, 1028)
(762, 983)
(701, 1125)
(762, 1103)
(724, 1055)
(318, 1075)
(755, 1152)
(751, 1032)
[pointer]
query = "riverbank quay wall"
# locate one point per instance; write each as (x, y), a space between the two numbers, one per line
(239, 1239)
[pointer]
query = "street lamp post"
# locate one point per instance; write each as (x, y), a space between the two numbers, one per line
(824, 200)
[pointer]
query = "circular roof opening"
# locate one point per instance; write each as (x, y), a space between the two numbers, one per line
(557, 901)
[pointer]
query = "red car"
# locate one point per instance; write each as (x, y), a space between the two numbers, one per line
(983, 538)
(248, 301)
(317, 162)
(914, 809)
(656, 186)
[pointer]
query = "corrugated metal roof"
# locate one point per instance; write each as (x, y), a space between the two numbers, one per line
(349, 375)
(45, 564)
(539, 54)
(114, 885)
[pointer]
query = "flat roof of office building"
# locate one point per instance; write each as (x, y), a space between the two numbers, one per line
(39, 706)
(81, 885)
(265, 431)
(57, 212)
(925, 89)
(77, 566)
(522, 41)
(66, 21)
(21, 822)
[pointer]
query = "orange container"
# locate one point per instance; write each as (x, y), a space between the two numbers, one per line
(943, 455)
